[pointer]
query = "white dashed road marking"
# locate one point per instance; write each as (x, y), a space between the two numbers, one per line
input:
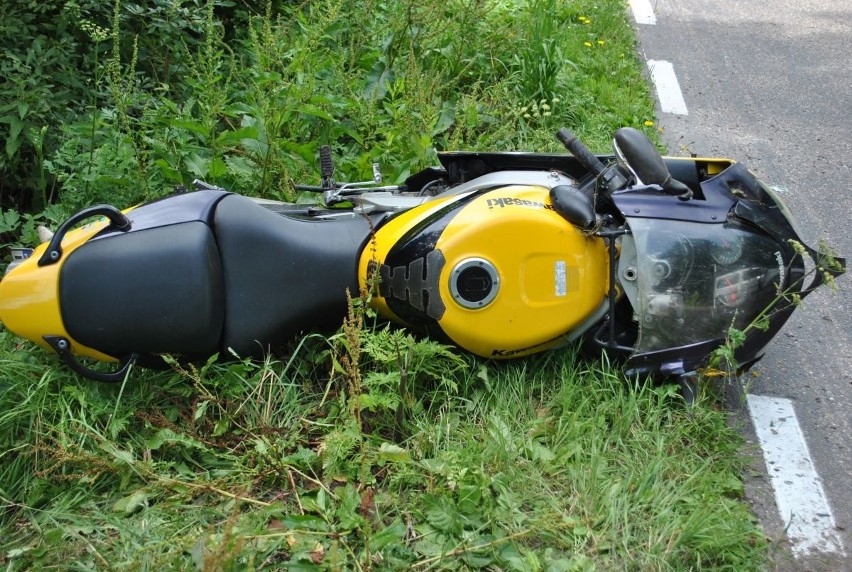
(643, 12)
(798, 489)
(668, 88)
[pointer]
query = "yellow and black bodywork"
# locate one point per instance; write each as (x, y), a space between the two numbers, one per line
(29, 304)
(191, 275)
(516, 254)
(497, 272)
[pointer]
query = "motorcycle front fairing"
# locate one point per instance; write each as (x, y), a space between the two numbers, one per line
(693, 270)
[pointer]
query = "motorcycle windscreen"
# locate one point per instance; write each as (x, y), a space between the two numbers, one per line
(693, 282)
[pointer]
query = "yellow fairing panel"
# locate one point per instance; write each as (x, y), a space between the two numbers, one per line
(547, 276)
(551, 276)
(388, 236)
(710, 166)
(29, 295)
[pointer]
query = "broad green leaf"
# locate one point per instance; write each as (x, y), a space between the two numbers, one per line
(433, 466)
(217, 168)
(261, 446)
(14, 142)
(10, 221)
(118, 454)
(240, 166)
(315, 111)
(197, 165)
(442, 514)
(167, 436)
(171, 174)
(391, 535)
(539, 452)
(445, 119)
(394, 453)
(307, 151)
(15, 127)
(236, 137)
(133, 502)
(347, 511)
(303, 458)
(195, 126)
(201, 410)
(222, 427)
(256, 147)
(302, 522)
(17, 553)
(378, 80)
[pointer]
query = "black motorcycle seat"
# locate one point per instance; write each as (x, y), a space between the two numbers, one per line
(209, 272)
(152, 290)
(283, 275)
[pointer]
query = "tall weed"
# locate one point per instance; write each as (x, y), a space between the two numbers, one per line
(392, 82)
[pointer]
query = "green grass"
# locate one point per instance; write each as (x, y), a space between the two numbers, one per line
(370, 449)
(544, 463)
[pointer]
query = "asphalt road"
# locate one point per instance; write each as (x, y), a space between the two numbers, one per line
(770, 84)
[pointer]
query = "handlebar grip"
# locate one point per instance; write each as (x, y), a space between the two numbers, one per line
(326, 166)
(580, 151)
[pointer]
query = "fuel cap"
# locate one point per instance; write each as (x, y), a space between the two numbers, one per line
(474, 283)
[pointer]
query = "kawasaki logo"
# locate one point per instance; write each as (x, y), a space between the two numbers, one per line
(516, 202)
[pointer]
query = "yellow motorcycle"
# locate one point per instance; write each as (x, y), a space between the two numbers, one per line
(650, 259)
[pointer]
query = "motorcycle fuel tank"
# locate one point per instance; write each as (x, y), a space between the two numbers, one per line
(497, 271)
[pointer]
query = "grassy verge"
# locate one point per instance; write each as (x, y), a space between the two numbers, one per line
(551, 463)
(369, 449)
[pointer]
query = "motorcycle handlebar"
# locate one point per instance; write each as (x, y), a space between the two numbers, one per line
(580, 151)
